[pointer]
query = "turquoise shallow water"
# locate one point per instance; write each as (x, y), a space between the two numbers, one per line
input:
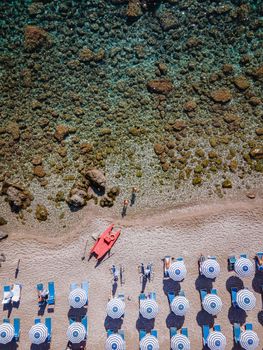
(169, 94)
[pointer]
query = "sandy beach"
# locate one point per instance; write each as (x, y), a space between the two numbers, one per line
(220, 229)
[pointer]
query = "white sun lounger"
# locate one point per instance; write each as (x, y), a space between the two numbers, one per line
(7, 295)
(16, 290)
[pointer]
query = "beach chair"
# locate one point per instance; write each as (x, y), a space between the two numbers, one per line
(152, 296)
(180, 259)
(249, 327)
(40, 287)
(142, 296)
(84, 321)
(121, 296)
(17, 329)
(173, 331)
(171, 296)
(73, 286)
(121, 333)
(85, 286)
(72, 319)
(205, 329)
(243, 256)
(7, 295)
(51, 293)
(231, 262)
(154, 333)
(212, 257)
(16, 290)
(214, 291)
(203, 293)
(259, 261)
(181, 293)
(6, 320)
(234, 296)
(49, 327)
(184, 332)
(37, 320)
(109, 332)
(142, 334)
(217, 328)
(237, 332)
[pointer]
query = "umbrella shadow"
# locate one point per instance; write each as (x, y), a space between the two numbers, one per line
(173, 320)
(170, 285)
(236, 315)
(144, 323)
(77, 314)
(11, 346)
(79, 346)
(113, 324)
(257, 282)
(260, 317)
(204, 318)
(203, 283)
(45, 346)
(234, 282)
(236, 347)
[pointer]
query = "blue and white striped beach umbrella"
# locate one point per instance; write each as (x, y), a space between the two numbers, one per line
(38, 333)
(149, 308)
(210, 268)
(216, 341)
(212, 304)
(246, 300)
(115, 342)
(115, 308)
(244, 267)
(249, 340)
(7, 333)
(149, 342)
(77, 298)
(177, 271)
(180, 305)
(180, 342)
(76, 333)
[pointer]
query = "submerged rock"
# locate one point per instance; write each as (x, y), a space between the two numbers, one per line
(134, 9)
(17, 196)
(41, 212)
(160, 86)
(221, 95)
(61, 132)
(257, 153)
(96, 177)
(241, 82)
(35, 38)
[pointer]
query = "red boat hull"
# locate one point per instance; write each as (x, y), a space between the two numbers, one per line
(105, 242)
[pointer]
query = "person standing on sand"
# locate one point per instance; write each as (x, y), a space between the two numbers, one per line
(125, 206)
(133, 195)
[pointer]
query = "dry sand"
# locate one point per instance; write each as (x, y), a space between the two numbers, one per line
(213, 228)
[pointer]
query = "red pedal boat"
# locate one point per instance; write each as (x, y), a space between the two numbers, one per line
(105, 242)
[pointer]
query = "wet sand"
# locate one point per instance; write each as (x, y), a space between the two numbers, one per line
(220, 229)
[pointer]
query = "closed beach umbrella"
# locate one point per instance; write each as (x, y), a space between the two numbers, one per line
(38, 333)
(149, 342)
(246, 300)
(149, 308)
(210, 268)
(7, 333)
(180, 305)
(177, 271)
(76, 332)
(212, 304)
(115, 342)
(115, 308)
(244, 267)
(180, 342)
(77, 298)
(249, 340)
(216, 341)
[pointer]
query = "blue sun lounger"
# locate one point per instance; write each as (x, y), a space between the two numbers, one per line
(142, 296)
(259, 256)
(154, 333)
(85, 286)
(206, 331)
(214, 291)
(72, 319)
(234, 296)
(51, 293)
(173, 331)
(237, 332)
(181, 293)
(6, 320)
(180, 259)
(231, 262)
(142, 334)
(121, 296)
(249, 327)
(17, 329)
(184, 332)
(73, 286)
(217, 328)
(171, 296)
(152, 296)
(203, 293)
(84, 321)
(109, 332)
(48, 324)
(37, 320)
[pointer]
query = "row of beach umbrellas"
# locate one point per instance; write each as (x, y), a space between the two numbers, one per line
(210, 268)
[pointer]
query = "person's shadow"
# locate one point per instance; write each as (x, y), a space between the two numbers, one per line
(114, 288)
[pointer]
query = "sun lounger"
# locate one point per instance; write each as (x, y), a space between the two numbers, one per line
(121, 296)
(173, 331)
(73, 286)
(212, 257)
(121, 333)
(184, 331)
(237, 332)
(180, 259)
(16, 290)
(51, 293)
(72, 319)
(7, 295)
(205, 329)
(231, 262)
(17, 329)
(142, 334)
(109, 332)
(154, 333)
(37, 320)
(49, 327)
(142, 296)
(6, 320)
(167, 261)
(85, 286)
(40, 287)
(84, 321)
(234, 296)
(243, 256)
(171, 296)
(203, 293)
(181, 293)
(152, 295)
(249, 326)
(214, 291)
(217, 328)
(259, 261)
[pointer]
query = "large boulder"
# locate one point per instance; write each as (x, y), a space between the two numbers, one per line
(17, 196)
(96, 178)
(78, 196)
(41, 212)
